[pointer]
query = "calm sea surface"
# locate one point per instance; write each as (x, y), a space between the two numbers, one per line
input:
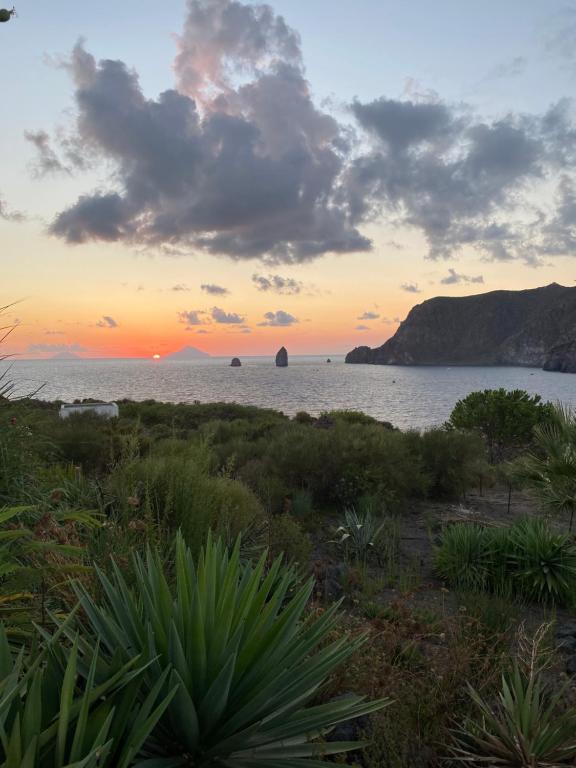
(408, 397)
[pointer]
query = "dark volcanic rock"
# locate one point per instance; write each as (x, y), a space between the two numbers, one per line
(282, 358)
(562, 358)
(235, 362)
(533, 328)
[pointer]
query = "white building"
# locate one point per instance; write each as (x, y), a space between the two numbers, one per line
(106, 410)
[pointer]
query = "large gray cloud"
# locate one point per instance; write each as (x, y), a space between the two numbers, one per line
(245, 170)
(238, 160)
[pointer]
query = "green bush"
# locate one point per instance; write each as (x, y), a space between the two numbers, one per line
(176, 490)
(287, 538)
(58, 712)
(235, 641)
(527, 560)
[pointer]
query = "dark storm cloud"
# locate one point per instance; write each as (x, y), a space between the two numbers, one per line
(226, 318)
(214, 290)
(238, 160)
(279, 318)
(454, 278)
(107, 322)
(277, 284)
(410, 288)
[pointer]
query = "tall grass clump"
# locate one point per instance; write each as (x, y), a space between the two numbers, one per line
(236, 642)
(528, 561)
(176, 490)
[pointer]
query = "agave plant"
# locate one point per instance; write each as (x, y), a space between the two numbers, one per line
(358, 534)
(235, 640)
(51, 716)
(528, 728)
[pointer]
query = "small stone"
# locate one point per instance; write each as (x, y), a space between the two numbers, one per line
(235, 363)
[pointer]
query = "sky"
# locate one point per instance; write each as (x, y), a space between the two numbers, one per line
(237, 176)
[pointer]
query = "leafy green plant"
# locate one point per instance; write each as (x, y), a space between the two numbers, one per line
(550, 469)
(235, 640)
(529, 726)
(358, 534)
(544, 563)
(527, 560)
(463, 557)
(54, 716)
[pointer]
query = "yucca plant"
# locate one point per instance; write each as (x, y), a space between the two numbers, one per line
(544, 563)
(235, 640)
(52, 716)
(358, 534)
(550, 469)
(529, 727)
(463, 557)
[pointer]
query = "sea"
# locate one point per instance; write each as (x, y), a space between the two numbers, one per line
(408, 397)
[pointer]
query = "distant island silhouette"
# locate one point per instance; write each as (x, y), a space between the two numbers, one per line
(187, 353)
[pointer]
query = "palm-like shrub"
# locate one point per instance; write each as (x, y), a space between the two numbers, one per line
(464, 556)
(550, 469)
(527, 560)
(543, 563)
(529, 726)
(235, 641)
(51, 716)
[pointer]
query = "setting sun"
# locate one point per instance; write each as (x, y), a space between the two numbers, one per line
(155, 357)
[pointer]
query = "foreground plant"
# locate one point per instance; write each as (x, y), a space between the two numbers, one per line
(528, 728)
(235, 640)
(53, 717)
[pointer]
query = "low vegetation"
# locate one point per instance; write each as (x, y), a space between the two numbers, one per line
(213, 584)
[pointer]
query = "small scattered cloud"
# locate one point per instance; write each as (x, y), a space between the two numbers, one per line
(7, 214)
(214, 290)
(512, 68)
(362, 328)
(54, 333)
(454, 278)
(410, 288)
(180, 288)
(191, 317)
(107, 322)
(226, 318)
(391, 320)
(369, 316)
(201, 330)
(279, 319)
(286, 286)
(55, 349)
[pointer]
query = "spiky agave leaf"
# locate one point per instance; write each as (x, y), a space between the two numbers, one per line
(236, 640)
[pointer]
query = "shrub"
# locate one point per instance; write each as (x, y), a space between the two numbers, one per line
(529, 726)
(176, 490)
(527, 560)
(235, 641)
(358, 535)
(464, 556)
(505, 419)
(287, 538)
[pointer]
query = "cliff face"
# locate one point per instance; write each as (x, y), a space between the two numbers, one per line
(534, 327)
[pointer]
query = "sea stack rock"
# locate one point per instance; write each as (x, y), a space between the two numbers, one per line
(282, 358)
(562, 358)
(235, 363)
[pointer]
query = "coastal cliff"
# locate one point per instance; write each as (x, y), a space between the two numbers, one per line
(534, 327)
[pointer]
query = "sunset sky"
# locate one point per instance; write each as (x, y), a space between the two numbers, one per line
(236, 176)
